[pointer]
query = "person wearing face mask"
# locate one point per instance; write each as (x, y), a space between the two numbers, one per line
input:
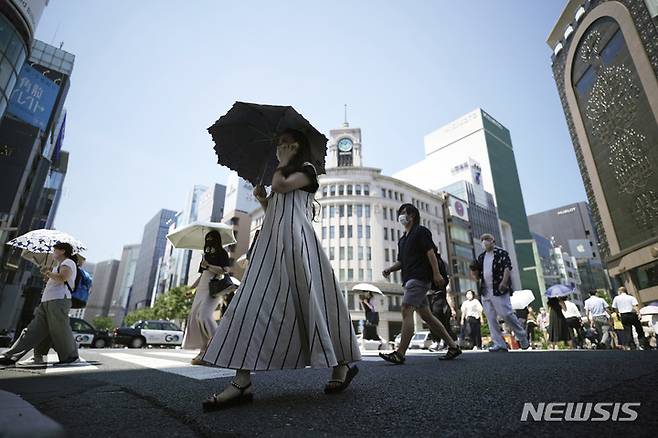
(289, 312)
(542, 322)
(420, 268)
(51, 318)
(201, 324)
(494, 267)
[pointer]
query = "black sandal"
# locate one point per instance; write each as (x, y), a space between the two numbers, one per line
(351, 372)
(213, 404)
(8, 361)
(451, 354)
(393, 357)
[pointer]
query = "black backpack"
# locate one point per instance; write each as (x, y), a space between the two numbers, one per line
(443, 270)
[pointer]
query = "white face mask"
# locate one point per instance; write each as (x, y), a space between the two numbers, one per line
(403, 220)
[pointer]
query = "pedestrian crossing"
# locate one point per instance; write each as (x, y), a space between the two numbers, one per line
(177, 367)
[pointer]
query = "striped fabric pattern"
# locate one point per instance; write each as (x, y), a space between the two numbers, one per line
(289, 311)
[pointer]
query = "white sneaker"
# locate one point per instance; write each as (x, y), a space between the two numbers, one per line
(475, 348)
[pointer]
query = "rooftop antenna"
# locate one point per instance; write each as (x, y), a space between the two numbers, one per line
(56, 30)
(345, 123)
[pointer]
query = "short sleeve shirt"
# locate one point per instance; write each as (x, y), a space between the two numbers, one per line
(624, 303)
(412, 254)
(309, 170)
(57, 290)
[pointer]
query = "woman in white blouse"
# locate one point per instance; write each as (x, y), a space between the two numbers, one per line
(471, 318)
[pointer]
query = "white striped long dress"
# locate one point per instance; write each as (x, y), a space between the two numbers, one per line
(289, 311)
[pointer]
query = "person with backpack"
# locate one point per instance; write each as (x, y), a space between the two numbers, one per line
(417, 258)
(51, 318)
(493, 268)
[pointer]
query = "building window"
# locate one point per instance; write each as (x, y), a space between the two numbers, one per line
(396, 196)
(359, 231)
(332, 210)
(324, 191)
(385, 210)
(350, 274)
(341, 253)
(360, 278)
(349, 189)
(645, 276)
(383, 193)
(359, 211)
(357, 189)
(332, 190)
(385, 233)
(341, 230)
(349, 231)
(341, 190)
(387, 255)
(341, 211)
(324, 213)
(342, 275)
(367, 231)
(332, 253)
(324, 233)
(360, 253)
(367, 211)
(349, 211)
(369, 275)
(332, 232)
(369, 253)
(401, 197)
(350, 253)
(390, 195)
(393, 255)
(366, 190)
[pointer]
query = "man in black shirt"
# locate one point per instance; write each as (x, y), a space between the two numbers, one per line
(420, 268)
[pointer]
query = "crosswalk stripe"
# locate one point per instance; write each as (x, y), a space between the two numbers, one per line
(185, 355)
(172, 366)
(82, 365)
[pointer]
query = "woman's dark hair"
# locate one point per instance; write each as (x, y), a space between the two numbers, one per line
(302, 155)
(66, 247)
(474, 266)
(213, 239)
(410, 210)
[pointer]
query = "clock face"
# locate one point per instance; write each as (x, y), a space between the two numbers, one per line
(345, 145)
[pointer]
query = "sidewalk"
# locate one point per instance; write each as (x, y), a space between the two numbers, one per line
(20, 419)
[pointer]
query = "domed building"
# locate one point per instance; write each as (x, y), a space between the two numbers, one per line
(358, 226)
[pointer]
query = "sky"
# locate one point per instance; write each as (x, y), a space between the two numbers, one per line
(151, 76)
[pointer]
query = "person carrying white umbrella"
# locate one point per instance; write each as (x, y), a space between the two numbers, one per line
(213, 283)
(51, 318)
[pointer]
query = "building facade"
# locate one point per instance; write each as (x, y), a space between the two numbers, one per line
(605, 65)
(33, 166)
(571, 228)
(151, 250)
(358, 228)
(18, 23)
(124, 282)
(478, 137)
(102, 290)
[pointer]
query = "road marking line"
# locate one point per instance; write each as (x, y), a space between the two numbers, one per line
(173, 366)
(187, 355)
(83, 365)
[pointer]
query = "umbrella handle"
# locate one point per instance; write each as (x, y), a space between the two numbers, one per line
(262, 176)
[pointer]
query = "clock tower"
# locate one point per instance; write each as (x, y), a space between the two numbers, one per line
(344, 147)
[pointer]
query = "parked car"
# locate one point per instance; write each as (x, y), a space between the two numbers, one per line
(86, 335)
(422, 340)
(143, 333)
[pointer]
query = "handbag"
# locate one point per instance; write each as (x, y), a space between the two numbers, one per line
(216, 286)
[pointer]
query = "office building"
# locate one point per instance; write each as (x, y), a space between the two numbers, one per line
(151, 250)
(605, 65)
(102, 289)
(478, 145)
(124, 283)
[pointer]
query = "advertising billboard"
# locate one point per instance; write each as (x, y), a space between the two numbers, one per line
(33, 98)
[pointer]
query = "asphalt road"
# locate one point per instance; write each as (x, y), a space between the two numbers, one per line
(155, 393)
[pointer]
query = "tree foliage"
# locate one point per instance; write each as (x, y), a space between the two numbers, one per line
(175, 304)
(103, 323)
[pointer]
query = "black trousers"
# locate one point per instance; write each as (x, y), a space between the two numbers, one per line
(475, 332)
(575, 326)
(631, 320)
